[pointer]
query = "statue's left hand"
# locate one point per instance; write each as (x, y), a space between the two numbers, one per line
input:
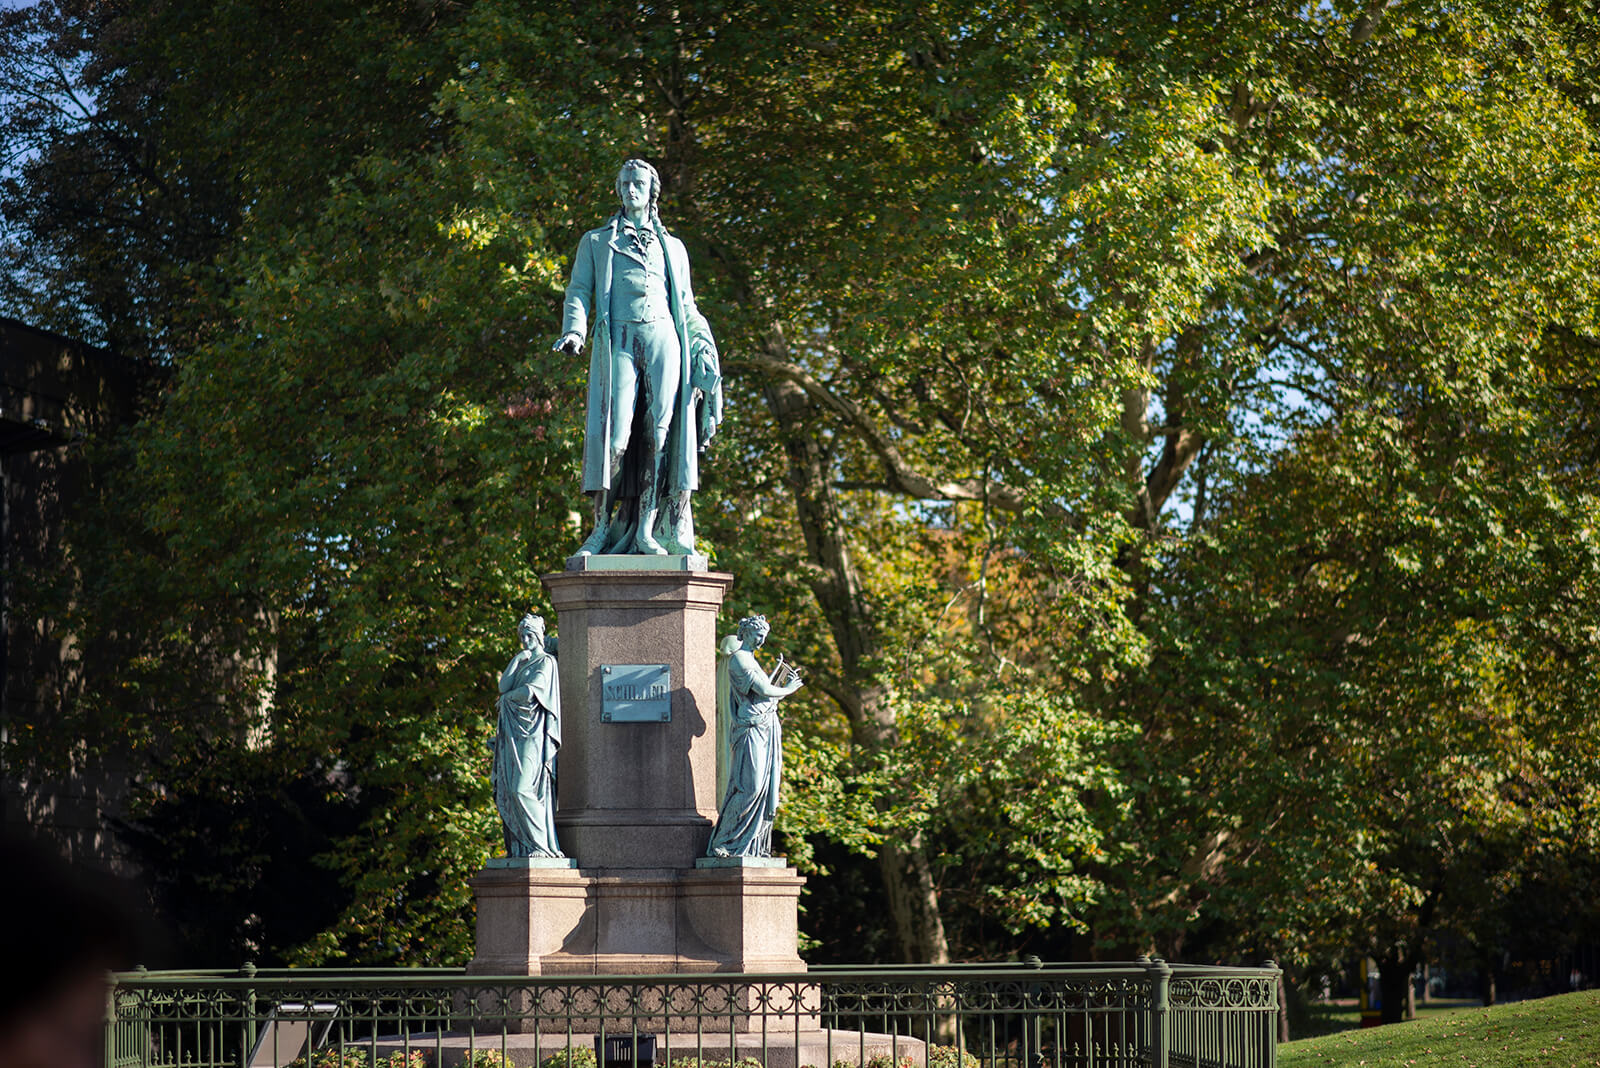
(703, 358)
(708, 425)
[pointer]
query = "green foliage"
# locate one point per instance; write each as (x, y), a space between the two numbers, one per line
(334, 1057)
(359, 1057)
(416, 1058)
(952, 1057)
(495, 1058)
(571, 1057)
(880, 1060)
(1165, 438)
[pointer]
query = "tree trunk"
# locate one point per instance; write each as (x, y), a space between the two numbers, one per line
(1393, 978)
(908, 883)
(1283, 1006)
(1486, 984)
(913, 903)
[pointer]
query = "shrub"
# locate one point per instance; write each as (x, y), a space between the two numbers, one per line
(488, 1058)
(951, 1057)
(883, 1060)
(416, 1058)
(334, 1057)
(576, 1057)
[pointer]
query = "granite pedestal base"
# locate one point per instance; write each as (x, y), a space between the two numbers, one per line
(553, 921)
(637, 794)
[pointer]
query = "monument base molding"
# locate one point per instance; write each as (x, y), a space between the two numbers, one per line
(636, 921)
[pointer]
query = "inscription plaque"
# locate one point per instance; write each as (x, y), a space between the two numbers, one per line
(635, 693)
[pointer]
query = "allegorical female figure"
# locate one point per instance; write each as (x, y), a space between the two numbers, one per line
(755, 765)
(526, 745)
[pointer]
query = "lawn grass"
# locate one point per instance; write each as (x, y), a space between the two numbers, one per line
(1327, 1017)
(1562, 1031)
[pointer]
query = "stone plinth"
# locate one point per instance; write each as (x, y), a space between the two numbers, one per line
(636, 804)
(637, 795)
(622, 921)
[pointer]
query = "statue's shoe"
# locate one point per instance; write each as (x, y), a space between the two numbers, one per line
(648, 545)
(678, 548)
(594, 542)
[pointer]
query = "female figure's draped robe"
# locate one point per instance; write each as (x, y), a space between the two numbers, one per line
(750, 804)
(525, 754)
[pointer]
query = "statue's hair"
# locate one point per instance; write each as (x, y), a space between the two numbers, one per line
(536, 620)
(755, 623)
(655, 184)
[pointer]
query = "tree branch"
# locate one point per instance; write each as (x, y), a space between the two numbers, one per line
(900, 475)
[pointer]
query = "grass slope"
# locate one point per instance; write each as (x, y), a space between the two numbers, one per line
(1562, 1031)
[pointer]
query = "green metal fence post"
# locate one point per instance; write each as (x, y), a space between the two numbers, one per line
(249, 1032)
(110, 1039)
(1269, 1043)
(1160, 1004)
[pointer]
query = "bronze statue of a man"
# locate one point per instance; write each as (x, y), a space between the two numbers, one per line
(655, 386)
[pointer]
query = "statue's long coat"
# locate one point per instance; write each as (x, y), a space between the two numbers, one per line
(589, 301)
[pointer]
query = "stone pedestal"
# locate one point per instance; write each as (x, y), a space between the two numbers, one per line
(636, 802)
(637, 795)
(628, 921)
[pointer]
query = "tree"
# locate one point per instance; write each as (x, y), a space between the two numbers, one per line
(1132, 399)
(1369, 635)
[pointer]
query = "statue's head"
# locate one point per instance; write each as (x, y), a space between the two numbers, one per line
(754, 629)
(531, 630)
(638, 168)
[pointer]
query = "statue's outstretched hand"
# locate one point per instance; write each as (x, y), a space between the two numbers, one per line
(571, 344)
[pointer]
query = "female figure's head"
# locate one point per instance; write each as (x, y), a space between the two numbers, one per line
(753, 631)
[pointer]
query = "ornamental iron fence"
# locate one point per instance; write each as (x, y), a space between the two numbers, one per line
(1145, 1013)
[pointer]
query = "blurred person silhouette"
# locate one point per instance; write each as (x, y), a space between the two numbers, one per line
(62, 931)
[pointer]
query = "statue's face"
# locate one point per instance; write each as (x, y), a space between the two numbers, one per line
(527, 632)
(633, 186)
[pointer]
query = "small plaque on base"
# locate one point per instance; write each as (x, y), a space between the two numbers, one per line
(636, 562)
(532, 862)
(742, 862)
(635, 693)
